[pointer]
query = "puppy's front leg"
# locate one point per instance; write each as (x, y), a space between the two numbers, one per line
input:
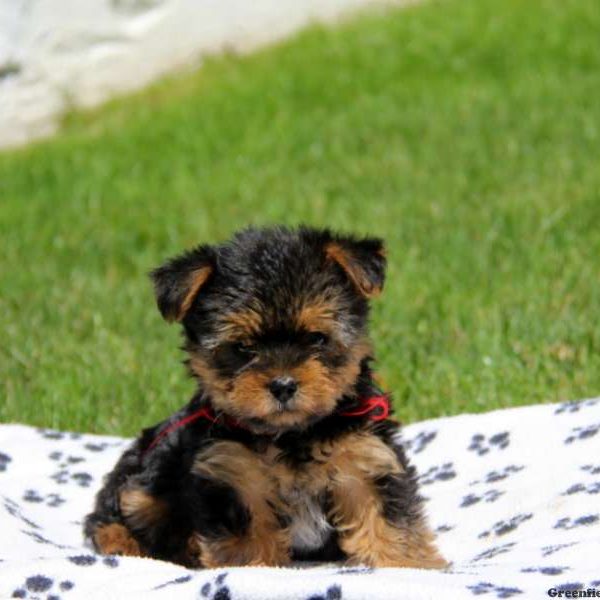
(376, 508)
(264, 541)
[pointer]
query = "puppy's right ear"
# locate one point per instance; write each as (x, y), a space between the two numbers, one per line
(179, 281)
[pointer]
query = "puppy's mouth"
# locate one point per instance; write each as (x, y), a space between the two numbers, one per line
(264, 413)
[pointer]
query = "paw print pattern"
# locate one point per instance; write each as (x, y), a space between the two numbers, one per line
(443, 473)
(489, 496)
(216, 590)
(83, 560)
(421, 441)
(39, 584)
(4, 460)
(52, 500)
(568, 523)
(572, 407)
(576, 488)
(546, 570)
(591, 469)
(548, 550)
(504, 527)
(498, 441)
(499, 475)
(569, 587)
(484, 587)
(52, 434)
(494, 551)
(64, 475)
(582, 433)
(96, 447)
(333, 592)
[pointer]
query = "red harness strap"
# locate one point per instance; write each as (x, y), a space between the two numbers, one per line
(377, 407)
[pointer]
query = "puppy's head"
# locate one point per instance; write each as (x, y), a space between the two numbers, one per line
(275, 320)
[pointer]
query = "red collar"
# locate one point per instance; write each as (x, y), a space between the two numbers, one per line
(377, 408)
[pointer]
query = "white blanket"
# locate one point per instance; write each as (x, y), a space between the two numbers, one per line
(514, 496)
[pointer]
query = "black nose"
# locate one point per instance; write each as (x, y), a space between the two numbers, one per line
(283, 388)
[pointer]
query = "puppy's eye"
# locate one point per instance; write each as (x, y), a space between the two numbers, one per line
(317, 339)
(243, 349)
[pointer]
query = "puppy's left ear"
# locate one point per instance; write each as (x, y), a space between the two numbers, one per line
(181, 279)
(363, 261)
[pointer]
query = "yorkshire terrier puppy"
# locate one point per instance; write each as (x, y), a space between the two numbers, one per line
(286, 451)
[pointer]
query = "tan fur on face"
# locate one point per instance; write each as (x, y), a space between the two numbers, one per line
(116, 539)
(266, 542)
(318, 315)
(241, 325)
(247, 396)
(141, 510)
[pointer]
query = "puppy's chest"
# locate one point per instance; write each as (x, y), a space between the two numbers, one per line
(301, 491)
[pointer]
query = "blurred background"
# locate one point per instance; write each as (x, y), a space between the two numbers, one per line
(467, 134)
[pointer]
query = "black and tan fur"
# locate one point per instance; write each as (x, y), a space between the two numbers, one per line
(275, 325)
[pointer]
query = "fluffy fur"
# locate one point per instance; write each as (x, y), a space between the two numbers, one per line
(275, 327)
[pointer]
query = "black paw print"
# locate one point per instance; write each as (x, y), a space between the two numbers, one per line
(38, 584)
(4, 460)
(499, 475)
(421, 441)
(582, 433)
(489, 496)
(333, 592)
(591, 469)
(96, 447)
(546, 570)
(494, 551)
(478, 444)
(569, 587)
(571, 407)
(504, 527)
(568, 523)
(576, 488)
(51, 434)
(489, 588)
(64, 476)
(216, 590)
(88, 560)
(443, 473)
(548, 550)
(52, 500)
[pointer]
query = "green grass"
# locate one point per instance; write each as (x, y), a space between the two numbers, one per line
(465, 133)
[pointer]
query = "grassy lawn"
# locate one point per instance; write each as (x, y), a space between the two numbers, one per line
(465, 133)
